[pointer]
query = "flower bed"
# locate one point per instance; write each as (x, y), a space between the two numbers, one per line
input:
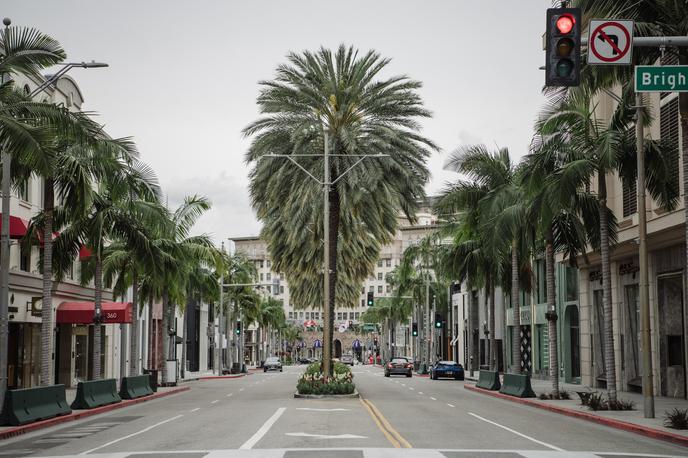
(313, 381)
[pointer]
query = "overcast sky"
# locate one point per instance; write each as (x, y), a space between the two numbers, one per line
(183, 75)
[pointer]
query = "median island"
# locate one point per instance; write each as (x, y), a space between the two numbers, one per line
(313, 383)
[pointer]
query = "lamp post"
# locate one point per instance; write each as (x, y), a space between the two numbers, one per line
(5, 230)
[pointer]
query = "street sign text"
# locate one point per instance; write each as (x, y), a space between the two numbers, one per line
(671, 78)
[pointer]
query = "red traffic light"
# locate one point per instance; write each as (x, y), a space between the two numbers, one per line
(565, 23)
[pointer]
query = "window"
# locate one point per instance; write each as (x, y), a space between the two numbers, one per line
(317, 315)
(363, 290)
(339, 315)
(70, 271)
(363, 302)
(379, 262)
(269, 264)
(268, 276)
(379, 275)
(371, 289)
(379, 289)
(388, 262)
(358, 315)
(291, 315)
(25, 258)
(301, 315)
(668, 131)
(308, 315)
(261, 263)
(269, 288)
(262, 277)
(630, 199)
(389, 288)
(23, 190)
(281, 289)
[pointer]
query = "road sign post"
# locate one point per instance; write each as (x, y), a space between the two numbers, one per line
(668, 78)
(610, 42)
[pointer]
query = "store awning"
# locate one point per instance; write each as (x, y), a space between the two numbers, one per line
(18, 227)
(82, 312)
(85, 253)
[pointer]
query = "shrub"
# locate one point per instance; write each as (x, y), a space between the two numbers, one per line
(314, 382)
(543, 396)
(621, 404)
(597, 402)
(676, 419)
(563, 394)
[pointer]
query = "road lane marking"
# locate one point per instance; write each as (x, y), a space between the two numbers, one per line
(411, 388)
(433, 398)
(230, 395)
(262, 430)
(327, 436)
(215, 401)
(195, 410)
(241, 389)
(396, 439)
(131, 435)
(451, 405)
(545, 444)
(312, 409)
(420, 392)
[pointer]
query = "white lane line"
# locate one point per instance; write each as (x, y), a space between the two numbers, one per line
(215, 401)
(263, 430)
(195, 410)
(433, 398)
(451, 405)
(230, 395)
(545, 444)
(411, 388)
(403, 384)
(241, 389)
(131, 435)
(420, 392)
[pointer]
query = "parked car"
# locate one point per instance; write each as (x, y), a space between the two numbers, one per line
(399, 365)
(272, 364)
(347, 359)
(447, 369)
(304, 360)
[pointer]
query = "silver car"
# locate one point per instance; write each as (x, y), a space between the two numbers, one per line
(347, 359)
(272, 364)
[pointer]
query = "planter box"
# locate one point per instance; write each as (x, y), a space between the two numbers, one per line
(353, 395)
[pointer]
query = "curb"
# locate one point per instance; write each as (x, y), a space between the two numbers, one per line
(353, 395)
(79, 414)
(618, 424)
(216, 377)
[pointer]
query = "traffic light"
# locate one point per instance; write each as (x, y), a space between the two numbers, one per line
(414, 329)
(438, 320)
(563, 47)
(371, 299)
(238, 328)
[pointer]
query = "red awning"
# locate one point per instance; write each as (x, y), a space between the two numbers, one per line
(84, 253)
(18, 227)
(82, 312)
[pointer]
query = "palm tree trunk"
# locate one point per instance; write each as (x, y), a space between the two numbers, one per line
(165, 332)
(134, 339)
(609, 357)
(493, 330)
(515, 301)
(47, 307)
(97, 337)
(551, 313)
(334, 203)
(151, 339)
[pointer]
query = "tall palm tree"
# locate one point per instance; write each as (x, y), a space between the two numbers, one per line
(337, 95)
(598, 147)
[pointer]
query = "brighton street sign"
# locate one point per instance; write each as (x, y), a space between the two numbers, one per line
(667, 78)
(610, 42)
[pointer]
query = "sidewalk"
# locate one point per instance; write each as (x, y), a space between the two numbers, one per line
(10, 431)
(633, 420)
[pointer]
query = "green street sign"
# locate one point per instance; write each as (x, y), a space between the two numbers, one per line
(668, 78)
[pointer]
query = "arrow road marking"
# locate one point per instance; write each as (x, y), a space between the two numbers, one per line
(322, 410)
(327, 436)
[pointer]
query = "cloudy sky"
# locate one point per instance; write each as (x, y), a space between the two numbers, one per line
(183, 75)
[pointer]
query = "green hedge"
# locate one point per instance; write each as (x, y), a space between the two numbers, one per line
(314, 382)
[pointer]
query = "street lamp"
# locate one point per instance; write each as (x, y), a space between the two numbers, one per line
(5, 231)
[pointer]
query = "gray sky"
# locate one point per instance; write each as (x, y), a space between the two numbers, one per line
(183, 75)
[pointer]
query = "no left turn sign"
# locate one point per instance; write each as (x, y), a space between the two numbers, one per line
(610, 42)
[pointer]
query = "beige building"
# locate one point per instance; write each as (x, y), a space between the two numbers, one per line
(667, 277)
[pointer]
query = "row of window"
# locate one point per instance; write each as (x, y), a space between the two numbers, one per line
(259, 264)
(316, 315)
(387, 262)
(371, 288)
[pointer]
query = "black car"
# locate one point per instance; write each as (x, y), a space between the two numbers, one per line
(399, 365)
(447, 369)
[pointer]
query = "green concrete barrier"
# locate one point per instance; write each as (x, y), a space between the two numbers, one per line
(488, 380)
(27, 405)
(135, 387)
(517, 385)
(96, 393)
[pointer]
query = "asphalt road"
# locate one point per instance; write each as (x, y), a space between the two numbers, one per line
(397, 417)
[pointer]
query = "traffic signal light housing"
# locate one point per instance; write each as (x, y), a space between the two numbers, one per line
(238, 328)
(414, 329)
(438, 320)
(563, 47)
(371, 299)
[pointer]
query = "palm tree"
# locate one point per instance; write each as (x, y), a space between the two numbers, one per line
(30, 133)
(268, 314)
(596, 148)
(335, 95)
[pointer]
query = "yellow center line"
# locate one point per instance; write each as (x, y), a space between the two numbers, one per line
(392, 434)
